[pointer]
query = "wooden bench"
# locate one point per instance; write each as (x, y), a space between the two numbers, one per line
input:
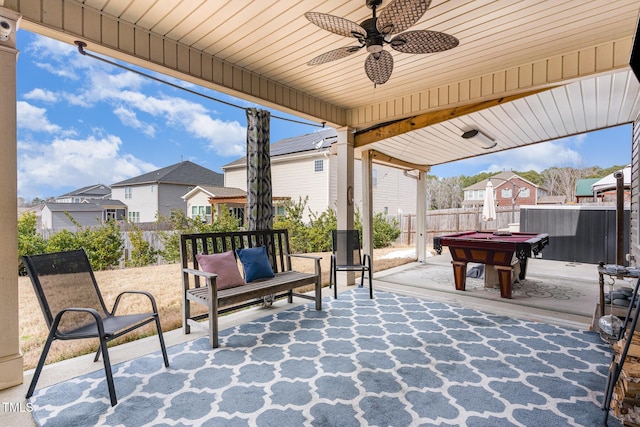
(200, 287)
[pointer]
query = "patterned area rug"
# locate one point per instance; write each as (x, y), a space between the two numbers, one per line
(535, 291)
(394, 360)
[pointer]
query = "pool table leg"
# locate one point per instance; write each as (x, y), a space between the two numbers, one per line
(523, 268)
(460, 274)
(504, 278)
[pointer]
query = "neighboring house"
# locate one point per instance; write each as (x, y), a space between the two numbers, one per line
(161, 191)
(604, 190)
(584, 193)
(96, 191)
(304, 166)
(92, 212)
(204, 200)
(505, 185)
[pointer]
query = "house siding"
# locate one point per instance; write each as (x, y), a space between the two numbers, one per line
(236, 177)
(634, 244)
(88, 219)
(170, 197)
(199, 199)
(142, 200)
(295, 177)
(393, 192)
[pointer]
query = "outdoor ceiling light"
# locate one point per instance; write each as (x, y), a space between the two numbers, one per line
(479, 138)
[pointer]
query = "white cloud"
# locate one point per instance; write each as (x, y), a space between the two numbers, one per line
(536, 157)
(129, 118)
(226, 138)
(123, 90)
(69, 162)
(34, 118)
(41, 95)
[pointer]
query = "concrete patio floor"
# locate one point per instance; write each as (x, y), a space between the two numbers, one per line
(14, 410)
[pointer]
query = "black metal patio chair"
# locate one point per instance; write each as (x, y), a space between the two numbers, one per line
(73, 308)
(347, 255)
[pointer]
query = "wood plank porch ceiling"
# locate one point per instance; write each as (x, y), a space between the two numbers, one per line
(568, 57)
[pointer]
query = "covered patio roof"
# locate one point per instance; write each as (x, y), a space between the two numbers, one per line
(524, 72)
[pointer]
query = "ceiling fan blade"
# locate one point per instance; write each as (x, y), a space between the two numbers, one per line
(332, 55)
(423, 41)
(400, 15)
(379, 66)
(336, 25)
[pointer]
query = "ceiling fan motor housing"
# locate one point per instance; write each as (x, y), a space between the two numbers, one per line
(374, 39)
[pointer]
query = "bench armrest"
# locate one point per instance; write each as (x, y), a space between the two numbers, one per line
(305, 256)
(200, 273)
(318, 271)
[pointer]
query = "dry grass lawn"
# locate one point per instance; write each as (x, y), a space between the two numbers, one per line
(163, 281)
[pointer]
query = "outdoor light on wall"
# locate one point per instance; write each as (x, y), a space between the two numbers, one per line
(479, 138)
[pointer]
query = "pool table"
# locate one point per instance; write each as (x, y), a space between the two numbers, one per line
(503, 250)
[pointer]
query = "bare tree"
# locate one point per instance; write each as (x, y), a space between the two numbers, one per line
(550, 177)
(444, 193)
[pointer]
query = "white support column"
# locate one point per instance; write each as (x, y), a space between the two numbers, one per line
(344, 149)
(367, 203)
(421, 217)
(10, 356)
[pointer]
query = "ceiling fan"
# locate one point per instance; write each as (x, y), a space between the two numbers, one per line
(374, 32)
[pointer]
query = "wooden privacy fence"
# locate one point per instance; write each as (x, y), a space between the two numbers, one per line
(447, 221)
(438, 222)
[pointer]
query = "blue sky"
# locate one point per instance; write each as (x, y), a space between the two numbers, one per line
(83, 122)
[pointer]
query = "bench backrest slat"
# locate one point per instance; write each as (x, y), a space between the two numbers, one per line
(276, 242)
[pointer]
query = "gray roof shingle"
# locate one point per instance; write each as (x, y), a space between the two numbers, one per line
(186, 172)
(94, 205)
(297, 144)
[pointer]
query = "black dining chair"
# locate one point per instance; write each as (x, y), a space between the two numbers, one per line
(347, 255)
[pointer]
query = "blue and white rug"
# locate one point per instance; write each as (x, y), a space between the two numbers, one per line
(391, 361)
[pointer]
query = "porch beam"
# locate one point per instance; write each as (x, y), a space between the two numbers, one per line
(399, 127)
(379, 157)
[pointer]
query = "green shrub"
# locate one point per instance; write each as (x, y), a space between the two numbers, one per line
(319, 231)
(384, 232)
(142, 253)
(292, 221)
(181, 224)
(29, 241)
(103, 244)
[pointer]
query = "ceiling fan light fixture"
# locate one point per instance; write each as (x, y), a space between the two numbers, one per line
(374, 48)
(479, 138)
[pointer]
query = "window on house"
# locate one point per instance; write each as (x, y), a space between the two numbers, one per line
(525, 192)
(134, 216)
(153, 188)
(374, 177)
(386, 210)
(110, 214)
(480, 194)
(127, 192)
(318, 165)
(506, 193)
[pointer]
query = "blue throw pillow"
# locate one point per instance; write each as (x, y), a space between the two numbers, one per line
(255, 263)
